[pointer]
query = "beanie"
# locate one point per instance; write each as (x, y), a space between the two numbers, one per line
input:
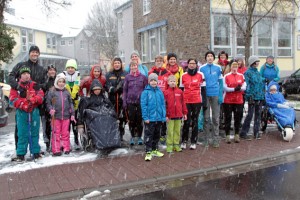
(253, 59)
(71, 63)
(51, 67)
(34, 48)
(270, 56)
(24, 69)
(58, 77)
(153, 76)
(135, 52)
(210, 52)
(170, 55)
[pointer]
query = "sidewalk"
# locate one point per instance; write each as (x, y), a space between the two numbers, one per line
(79, 178)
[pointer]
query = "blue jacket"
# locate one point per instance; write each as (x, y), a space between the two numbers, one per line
(270, 72)
(255, 84)
(153, 104)
(142, 68)
(213, 75)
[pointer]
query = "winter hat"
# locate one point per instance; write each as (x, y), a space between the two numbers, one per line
(171, 78)
(270, 56)
(58, 77)
(253, 59)
(24, 69)
(96, 84)
(239, 57)
(153, 76)
(273, 87)
(51, 67)
(170, 55)
(210, 52)
(34, 48)
(71, 63)
(135, 52)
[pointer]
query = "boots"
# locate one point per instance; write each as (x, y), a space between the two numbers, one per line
(228, 141)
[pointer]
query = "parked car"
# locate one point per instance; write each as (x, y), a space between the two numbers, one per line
(3, 113)
(291, 83)
(6, 91)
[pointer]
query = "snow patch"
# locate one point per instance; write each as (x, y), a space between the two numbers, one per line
(90, 195)
(117, 152)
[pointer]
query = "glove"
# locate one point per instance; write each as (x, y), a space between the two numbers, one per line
(73, 119)
(52, 112)
(111, 90)
(238, 88)
(36, 87)
(282, 106)
(22, 92)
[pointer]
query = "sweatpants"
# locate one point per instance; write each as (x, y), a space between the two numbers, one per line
(152, 135)
(214, 108)
(61, 135)
(237, 110)
(255, 109)
(192, 116)
(28, 125)
(135, 120)
(173, 136)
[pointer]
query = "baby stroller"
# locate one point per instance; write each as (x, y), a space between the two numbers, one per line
(278, 110)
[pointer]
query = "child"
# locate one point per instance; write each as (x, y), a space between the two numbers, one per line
(72, 85)
(26, 100)
(60, 107)
(176, 109)
(154, 114)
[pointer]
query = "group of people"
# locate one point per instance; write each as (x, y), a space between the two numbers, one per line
(153, 102)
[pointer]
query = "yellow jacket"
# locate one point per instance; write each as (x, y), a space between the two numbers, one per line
(72, 85)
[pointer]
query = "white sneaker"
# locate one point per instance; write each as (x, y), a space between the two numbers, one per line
(183, 145)
(193, 146)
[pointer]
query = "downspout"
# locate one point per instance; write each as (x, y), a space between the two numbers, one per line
(210, 24)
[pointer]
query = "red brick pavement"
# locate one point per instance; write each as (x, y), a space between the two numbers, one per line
(131, 168)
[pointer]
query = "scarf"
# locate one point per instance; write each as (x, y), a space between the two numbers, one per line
(223, 62)
(192, 72)
(173, 69)
(135, 74)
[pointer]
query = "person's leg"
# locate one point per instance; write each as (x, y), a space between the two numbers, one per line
(74, 126)
(35, 130)
(215, 107)
(16, 132)
(207, 125)
(238, 112)
(170, 138)
(148, 136)
(186, 124)
(228, 115)
(247, 121)
(176, 134)
(131, 118)
(65, 135)
(257, 116)
(139, 121)
(156, 135)
(194, 118)
(23, 129)
(56, 136)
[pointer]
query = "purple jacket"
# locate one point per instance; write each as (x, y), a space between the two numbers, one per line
(133, 88)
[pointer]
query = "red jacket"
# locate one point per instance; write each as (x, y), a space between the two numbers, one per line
(87, 81)
(175, 104)
(163, 75)
(230, 82)
(192, 87)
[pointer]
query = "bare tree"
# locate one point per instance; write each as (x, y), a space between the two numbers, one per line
(246, 14)
(102, 23)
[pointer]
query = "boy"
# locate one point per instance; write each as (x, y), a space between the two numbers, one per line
(27, 115)
(72, 85)
(154, 114)
(176, 109)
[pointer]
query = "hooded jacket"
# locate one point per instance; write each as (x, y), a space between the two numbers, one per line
(163, 75)
(175, 105)
(255, 84)
(72, 85)
(87, 81)
(212, 73)
(270, 72)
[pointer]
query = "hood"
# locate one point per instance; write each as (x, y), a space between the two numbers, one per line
(273, 83)
(96, 84)
(92, 71)
(59, 76)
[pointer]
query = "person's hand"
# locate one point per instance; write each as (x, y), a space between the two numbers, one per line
(167, 119)
(237, 88)
(147, 121)
(22, 92)
(111, 90)
(73, 119)
(184, 117)
(52, 112)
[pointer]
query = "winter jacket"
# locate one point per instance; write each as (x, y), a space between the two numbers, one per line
(61, 102)
(255, 85)
(192, 87)
(114, 84)
(269, 72)
(175, 104)
(273, 100)
(230, 82)
(242, 69)
(37, 74)
(142, 68)
(213, 75)
(29, 97)
(163, 75)
(133, 88)
(153, 104)
(72, 85)
(177, 71)
(87, 81)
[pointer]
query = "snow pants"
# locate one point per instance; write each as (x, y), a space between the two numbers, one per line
(61, 135)
(28, 125)
(173, 136)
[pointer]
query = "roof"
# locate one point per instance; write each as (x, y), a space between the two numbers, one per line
(52, 56)
(123, 6)
(71, 32)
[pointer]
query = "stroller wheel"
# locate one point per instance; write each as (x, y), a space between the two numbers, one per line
(287, 134)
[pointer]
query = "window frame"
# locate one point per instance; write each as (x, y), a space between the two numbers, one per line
(146, 7)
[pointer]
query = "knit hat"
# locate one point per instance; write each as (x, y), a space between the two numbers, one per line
(170, 55)
(273, 87)
(24, 69)
(239, 57)
(58, 77)
(51, 67)
(34, 48)
(135, 52)
(210, 52)
(253, 59)
(270, 56)
(71, 63)
(153, 76)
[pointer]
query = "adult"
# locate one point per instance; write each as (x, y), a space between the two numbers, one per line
(173, 67)
(269, 70)
(191, 81)
(37, 74)
(214, 97)
(223, 61)
(135, 56)
(234, 85)
(255, 95)
(241, 64)
(96, 73)
(114, 84)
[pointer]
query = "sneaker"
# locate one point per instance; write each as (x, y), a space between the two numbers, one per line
(193, 146)
(258, 137)
(56, 154)
(183, 145)
(228, 141)
(140, 141)
(236, 138)
(157, 153)
(19, 158)
(216, 144)
(148, 156)
(162, 140)
(37, 155)
(67, 152)
(246, 137)
(132, 141)
(177, 148)
(76, 147)
(169, 148)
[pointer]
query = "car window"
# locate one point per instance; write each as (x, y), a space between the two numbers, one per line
(297, 73)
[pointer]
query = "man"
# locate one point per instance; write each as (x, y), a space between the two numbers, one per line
(38, 74)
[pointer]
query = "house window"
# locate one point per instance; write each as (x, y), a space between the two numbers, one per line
(152, 43)
(264, 37)
(62, 43)
(27, 39)
(240, 40)
(221, 34)
(70, 42)
(163, 41)
(146, 6)
(81, 44)
(284, 38)
(122, 55)
(144, 43)
(51, 41)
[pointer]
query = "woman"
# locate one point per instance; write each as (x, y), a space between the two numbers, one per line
(173, 67)
(114, 84)
(134, 84)
(234, 85)
(135, 56)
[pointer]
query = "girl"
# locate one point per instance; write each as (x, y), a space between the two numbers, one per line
(173, 67)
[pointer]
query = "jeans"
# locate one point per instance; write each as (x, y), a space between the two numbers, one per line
(256, 109)
(214, 108)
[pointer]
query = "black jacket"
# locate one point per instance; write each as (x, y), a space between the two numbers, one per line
(114, 85)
